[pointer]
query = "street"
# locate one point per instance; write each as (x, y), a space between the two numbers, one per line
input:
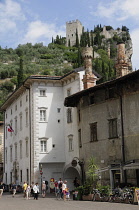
(7, 202)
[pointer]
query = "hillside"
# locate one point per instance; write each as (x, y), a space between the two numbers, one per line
(57, 59)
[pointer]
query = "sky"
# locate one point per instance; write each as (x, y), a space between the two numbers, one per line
(35, 21)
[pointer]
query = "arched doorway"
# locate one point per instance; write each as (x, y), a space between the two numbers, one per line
(69, 174)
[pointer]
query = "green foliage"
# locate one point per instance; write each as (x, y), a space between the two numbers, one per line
(104, 190)
(109, 28)
(91, 174)
(104, 66)
(7, 85)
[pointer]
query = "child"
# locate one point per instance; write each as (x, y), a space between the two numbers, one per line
(67, 194)
(28, 190)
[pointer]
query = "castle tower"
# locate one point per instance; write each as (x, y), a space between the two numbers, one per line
(89, 79)
(121, 64)
(71, 28)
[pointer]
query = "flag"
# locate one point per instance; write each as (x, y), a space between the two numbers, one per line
(10, 128)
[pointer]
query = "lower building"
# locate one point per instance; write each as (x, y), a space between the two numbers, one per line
(109, 128)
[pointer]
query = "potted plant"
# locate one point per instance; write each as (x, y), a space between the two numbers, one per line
(91, 180)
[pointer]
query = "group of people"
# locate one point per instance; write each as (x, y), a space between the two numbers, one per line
(61, 190)
(32, 190)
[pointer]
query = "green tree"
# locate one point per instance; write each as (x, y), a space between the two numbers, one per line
(20, 73)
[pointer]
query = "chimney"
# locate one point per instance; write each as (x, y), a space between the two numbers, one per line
(121, 64)
(89, 79)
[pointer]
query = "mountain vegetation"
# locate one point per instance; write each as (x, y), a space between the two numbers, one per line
(56, 59)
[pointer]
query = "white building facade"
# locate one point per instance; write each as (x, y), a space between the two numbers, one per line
(45, 133)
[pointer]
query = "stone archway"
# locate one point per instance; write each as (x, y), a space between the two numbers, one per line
(69, 174)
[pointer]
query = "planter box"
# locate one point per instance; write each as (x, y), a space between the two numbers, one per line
(88, 197)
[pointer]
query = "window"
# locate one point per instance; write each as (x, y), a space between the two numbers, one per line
(42, 115)
(15, 125)
(69, 115)
(26, 98)
(112, 93)
(58, 110)
(93, 132)
(21, 121)
(11, 175)
(113, 128)
(6, 116)
(26, 117)
(79, 115)
(69, 92)
(27, 175)
(20, 103)
(11, 123)
(26, 147)
(70, 143)
(11, 155)
(15, 151)
(79, 137)
(20, 149)
(91, 99)
(6, 155)
(6, 177)
(43, 146)
(11, 111)
(42, 93)
(15, 107)
(20, 175)
(6, 132)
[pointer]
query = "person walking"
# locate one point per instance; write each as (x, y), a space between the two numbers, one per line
(64, 190)
(28, 190)
(60, 182)
(43, 189)
(13, 188)
(1, 189)
(24, 189)
(32, 193)
(36, 191)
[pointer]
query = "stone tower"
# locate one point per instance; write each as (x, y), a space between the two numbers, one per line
(121, 64)
(71, 27)
(89, 79)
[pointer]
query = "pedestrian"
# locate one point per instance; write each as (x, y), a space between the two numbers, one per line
(13, 188)
(1, 189)
(36, 191)
(76, 182)
(24, 189)
(60, 182)
(56, 189)
(32, 193)
(64, 190)
(67, 194)
(43, 189)
(28, 190)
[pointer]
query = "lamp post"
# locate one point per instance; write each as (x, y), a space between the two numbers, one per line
(41, 173)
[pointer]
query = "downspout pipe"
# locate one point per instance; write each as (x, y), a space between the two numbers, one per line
(4, 148)
(123, 138)
(30, 132)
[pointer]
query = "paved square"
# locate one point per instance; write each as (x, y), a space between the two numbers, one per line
(7, 202)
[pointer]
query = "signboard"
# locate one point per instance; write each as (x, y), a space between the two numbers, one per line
(74, 163)
(136, 195)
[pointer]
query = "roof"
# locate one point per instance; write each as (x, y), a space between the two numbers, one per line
(72, 100)
(26, 84)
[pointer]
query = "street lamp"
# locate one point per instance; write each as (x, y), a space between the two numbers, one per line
(41, 173)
